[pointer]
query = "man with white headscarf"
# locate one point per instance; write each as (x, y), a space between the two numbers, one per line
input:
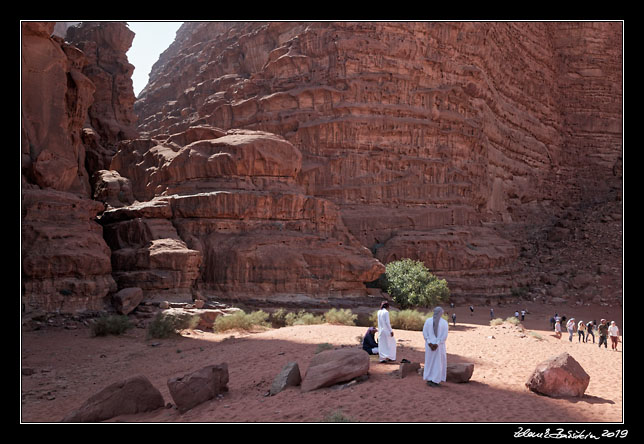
(435, 334)
(386, 340)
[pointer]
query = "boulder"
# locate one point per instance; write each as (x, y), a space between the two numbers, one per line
(127, 299)
(461, 372)
(132, 395)
(192, 389)
(334, 366)
(560, 376)
(407, 368)
(289, 376)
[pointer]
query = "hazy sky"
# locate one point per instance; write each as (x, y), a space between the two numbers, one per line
(151, 39)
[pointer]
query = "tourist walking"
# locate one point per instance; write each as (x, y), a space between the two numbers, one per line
(603, 333)
(435, 333)
(491, 313)
(386, 340)
(589, 331)
(454, 319)
(613, 332)
(571, 328)
(581, 331)
(522, 315)
(558, 329)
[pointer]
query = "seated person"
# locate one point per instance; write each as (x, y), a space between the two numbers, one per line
(369, 343)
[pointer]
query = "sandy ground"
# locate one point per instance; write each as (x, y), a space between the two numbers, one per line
(69, 366)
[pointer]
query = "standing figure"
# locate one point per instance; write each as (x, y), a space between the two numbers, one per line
(571, 328)
(386, 340)
(581, 331)
(589, 331)
(435, 334)
(603, 333)
(558, 329)
(613, 332)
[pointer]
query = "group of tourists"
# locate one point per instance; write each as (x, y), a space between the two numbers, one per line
(585, 330)
(435, 333)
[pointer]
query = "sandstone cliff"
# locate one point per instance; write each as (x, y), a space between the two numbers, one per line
(65, 261)
(285, 163)
(455, 143)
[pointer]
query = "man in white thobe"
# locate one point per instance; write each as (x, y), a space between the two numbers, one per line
(435, 334)
(386, 340)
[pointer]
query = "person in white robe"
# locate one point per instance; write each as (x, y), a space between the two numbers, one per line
(435, 334)
(386, 340)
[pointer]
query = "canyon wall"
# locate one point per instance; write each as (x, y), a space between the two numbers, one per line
(452, 143)
(285, 163)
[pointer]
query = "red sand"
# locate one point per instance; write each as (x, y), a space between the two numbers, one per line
(70, 366)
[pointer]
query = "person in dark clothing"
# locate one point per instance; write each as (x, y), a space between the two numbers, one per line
(589, 331)
(369, 343)
(603, 333)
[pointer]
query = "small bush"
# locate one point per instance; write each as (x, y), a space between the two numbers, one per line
(167, 324)
(241, 320)
(497, 321)
(410, 284)
(303, 318)
(512, 320)
(110, 325)
(337, 416)
(403, 319)
(408, 320)
(536, 335)
(341, 317)
(278, 317)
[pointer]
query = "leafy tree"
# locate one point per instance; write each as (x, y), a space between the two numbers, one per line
(411, 284)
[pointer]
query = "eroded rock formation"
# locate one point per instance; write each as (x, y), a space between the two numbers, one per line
(65, 261)
(455, 143)
(287, 162)
(221, 214)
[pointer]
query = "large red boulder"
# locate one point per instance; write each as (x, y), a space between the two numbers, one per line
(333, 366)
(132, 395)
(560, 376)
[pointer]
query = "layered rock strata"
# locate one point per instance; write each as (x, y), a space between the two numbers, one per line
(286, 162)
(440, 141)
(220, 214)
(65, 261)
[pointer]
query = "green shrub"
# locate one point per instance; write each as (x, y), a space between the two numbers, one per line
(303, 318)
(410, 284)
(278, 317)
(167, 324)
(403, 319)
(110, 325)
(512, 320)
(241, 320)
(337, 416)
(408, 319)
(497, 321)
(340, 316)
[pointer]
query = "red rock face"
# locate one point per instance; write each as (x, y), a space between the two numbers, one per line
(449, 142)
(287, 162)
(65, 261)
(224, 216)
